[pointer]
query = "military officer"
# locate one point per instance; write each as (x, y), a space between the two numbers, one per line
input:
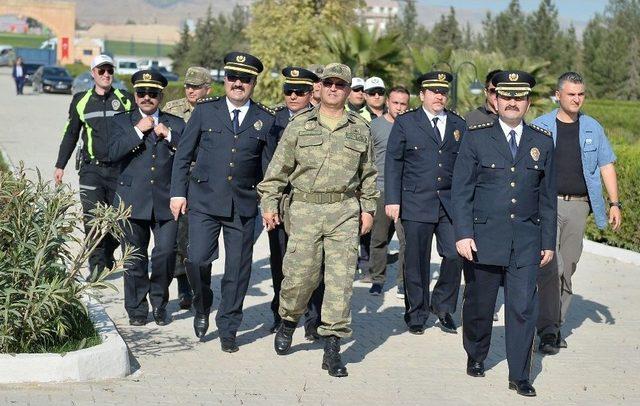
(297, 89)
(197, 84)
(421, 151)
(234, 138)
(505, 224)
(143, 146)
(326, 155)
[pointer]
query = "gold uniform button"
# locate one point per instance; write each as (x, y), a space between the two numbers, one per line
(493, 165)
(513, 216)
(231, 164)
(513, 200)
(151, 181)
(439, 178)
(233, 150)
(513, 184)
(153, 168)
(229, 177)
(513, 169)
(153, 156)
(439, 151)
(415, 147)
(535, 166)
(440, 165)
(235, 136)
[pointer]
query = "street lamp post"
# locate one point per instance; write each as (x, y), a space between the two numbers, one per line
(475, 88)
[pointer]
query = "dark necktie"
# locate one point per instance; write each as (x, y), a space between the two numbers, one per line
(513, 146)
(436, 129)
(236, 121)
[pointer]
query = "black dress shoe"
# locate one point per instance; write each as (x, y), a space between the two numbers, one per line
(137, 321)
(417, 330)
(185, 302)
(160, 316)
(228, 344)
(548, 344)
(475, 368)
(284, 337)
(523, 387)
(311, 333)
(331, 361)
(200, 324)
(447, 324)
(274, 326)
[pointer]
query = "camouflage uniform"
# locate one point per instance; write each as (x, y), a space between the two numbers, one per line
(332, 174)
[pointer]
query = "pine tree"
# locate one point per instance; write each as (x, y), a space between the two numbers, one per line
(508, 35)
(181, 49)
(544, 34)
(446, 32)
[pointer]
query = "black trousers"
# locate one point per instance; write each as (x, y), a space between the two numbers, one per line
(137, 281)
(278, 246)
(381, 235)
(521, 309)
(417, 272)
(204, 231)
(98, 185)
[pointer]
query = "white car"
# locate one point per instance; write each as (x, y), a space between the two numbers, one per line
(126, 66)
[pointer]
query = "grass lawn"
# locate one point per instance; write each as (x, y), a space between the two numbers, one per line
(22, 40)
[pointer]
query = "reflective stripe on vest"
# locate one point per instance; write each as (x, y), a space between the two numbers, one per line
(126, 103)
(82, 104)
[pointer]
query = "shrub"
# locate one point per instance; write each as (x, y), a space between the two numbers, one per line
(42, 250)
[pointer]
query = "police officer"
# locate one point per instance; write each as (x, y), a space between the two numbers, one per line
(297, 89)
(326, 155)
(505, 224)
(421, 151)
(143, 145)
(375, 97)
(356, 102)
(487, 112)
(234, 138)
(89, 114)
(197, 84)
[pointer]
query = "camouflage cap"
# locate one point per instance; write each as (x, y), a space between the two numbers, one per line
(336, 70)
(197, 76)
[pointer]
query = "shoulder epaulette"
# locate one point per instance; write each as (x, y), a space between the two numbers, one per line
(482, 125)
(265, 108)
(357, 117)
(455, 113)
(278, 107)
(540, 130)
(407, 111)
(208, 99)
(301, 112)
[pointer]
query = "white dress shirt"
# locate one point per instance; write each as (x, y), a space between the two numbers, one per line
(507, 129)
(442, 121)
(243, 110)
(19, 71)
(156, 118)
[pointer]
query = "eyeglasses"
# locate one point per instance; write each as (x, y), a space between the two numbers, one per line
(152, 95)
(357, 90)
(101, 71)
(298, 93)
(375, 92)
(194, 87)
(234, 78)
(340, 85)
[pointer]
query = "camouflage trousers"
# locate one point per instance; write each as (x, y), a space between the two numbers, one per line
(331, 229)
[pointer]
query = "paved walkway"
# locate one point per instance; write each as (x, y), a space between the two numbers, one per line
(386, 364)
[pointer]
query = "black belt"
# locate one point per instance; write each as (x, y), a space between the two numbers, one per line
(567, 198)
(99, 163)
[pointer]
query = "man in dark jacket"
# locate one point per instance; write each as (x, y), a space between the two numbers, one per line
(143, 146)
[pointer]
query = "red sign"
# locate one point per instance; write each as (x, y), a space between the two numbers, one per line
(65, 47)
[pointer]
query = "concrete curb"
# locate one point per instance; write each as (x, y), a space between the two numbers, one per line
(104, 361)
(619, 254)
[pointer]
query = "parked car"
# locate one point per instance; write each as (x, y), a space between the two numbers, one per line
(126, 66)
(29, 70)
(84, 81)
(170, 76)
(7, 55)
(52, 79)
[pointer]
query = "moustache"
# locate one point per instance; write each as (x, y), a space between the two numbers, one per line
(237, 88)
(512, 108)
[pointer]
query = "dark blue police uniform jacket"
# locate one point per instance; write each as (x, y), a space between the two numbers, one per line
(505, 203)
(228, 166)
(145, 165)
(419, 166)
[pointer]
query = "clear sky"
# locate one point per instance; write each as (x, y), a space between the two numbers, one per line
(576, 10)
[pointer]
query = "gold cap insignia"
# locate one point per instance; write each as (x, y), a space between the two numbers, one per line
(295, 73)
(257, 125)
(535, 153)
(309, 125)
(146, 76)
(240, 58)
(442, 77)
(456, 135)
(513, 77)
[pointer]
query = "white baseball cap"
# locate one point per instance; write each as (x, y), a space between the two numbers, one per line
(373, 82)
(357, 82)
(102, 60)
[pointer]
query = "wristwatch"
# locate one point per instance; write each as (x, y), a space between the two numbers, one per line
(617, 204)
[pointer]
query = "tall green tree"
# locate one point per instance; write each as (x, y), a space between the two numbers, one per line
(505, 32)
(180, 51)
(545, 37)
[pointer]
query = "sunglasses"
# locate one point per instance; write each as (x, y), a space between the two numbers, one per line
(298, 93)
(376, 92)
(242, 79)
(340, 85)
(194, 87)
(101, 71)
(152, 95)
(357, 90)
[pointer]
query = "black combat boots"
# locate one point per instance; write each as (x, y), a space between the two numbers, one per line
(284, 336)
(331, 360)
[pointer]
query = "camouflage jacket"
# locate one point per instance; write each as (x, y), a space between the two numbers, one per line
(180, 107)
(315, 159)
